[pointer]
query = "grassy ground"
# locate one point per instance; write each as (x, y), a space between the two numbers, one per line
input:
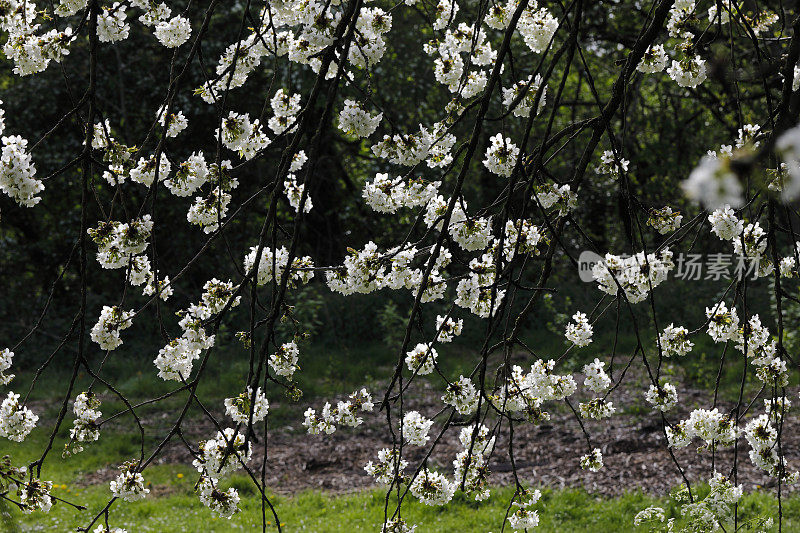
(326, 373)
(172, 505)
(178, 510)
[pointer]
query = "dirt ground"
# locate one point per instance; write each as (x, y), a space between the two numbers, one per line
(546, 454)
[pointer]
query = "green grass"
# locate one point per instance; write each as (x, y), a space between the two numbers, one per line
(172, 505)
(327, 373)
(176, 509)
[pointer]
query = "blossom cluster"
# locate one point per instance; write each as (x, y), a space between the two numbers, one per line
(706, 514)
(247, 406)
(432, 145)
(106, 332)
(355, 121)
(711, 426)
(523, 517)
(176, 359)
(273, 262)
(17, 170)
(526, 393)
(129, 485)
(762, 436)
(345, 413)
(223, 455)
(16, 420)
(6, 358)
(501, 156)
(636, 275)
(85, 427)
(580, 331)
